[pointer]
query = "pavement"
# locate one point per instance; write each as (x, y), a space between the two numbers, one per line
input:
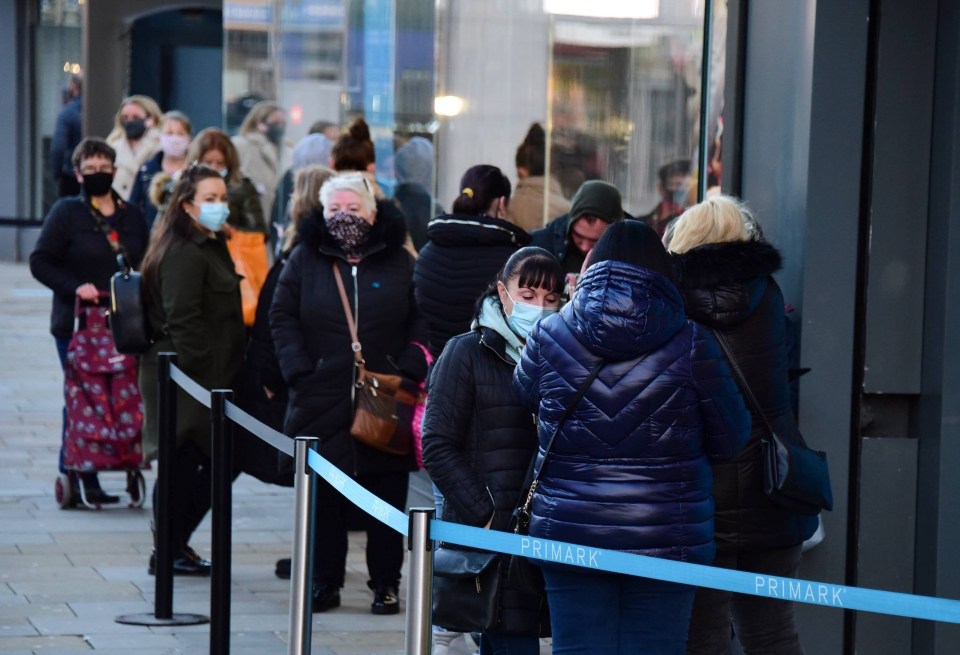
(66, 575)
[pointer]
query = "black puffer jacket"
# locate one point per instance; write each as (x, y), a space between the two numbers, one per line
(463, 256)
(313, 343)
(477, 443)
(728, 287)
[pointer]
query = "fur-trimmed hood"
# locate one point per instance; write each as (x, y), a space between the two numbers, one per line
(388, 235)
(726, 263)
(723, 283)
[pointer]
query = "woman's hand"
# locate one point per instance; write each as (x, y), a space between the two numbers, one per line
(88, 292)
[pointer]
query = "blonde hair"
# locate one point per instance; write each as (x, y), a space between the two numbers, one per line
(719, 219)
(258, 114)
(211, 138)
(305, 198)
(146, 103)
(355, 182)
(180, 117)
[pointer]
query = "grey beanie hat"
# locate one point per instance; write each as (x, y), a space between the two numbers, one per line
(311, 149)
(413, 163)
(597, 198)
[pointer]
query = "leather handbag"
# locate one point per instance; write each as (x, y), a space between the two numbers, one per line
(467, 585)
(794, 476)
(522, 573)
(384, 404)
(128, 319)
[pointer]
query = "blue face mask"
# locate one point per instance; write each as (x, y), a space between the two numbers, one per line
(524, 316)
(212, 215)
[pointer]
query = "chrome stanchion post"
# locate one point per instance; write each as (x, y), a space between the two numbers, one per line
(301, 568)
(420, 586)
(221, 502)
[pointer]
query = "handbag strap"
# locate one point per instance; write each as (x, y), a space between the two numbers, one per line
(741, 380)
(581, 392)
(355, 343)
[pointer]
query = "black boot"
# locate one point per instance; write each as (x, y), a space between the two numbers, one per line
(324, 597)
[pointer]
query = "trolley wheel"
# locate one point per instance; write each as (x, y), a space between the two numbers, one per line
(63, 492)
(137, 488)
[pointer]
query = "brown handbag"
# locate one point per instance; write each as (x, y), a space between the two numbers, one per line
(384, 404)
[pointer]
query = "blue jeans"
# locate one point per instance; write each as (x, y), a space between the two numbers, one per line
(491, 644)
(612, 614)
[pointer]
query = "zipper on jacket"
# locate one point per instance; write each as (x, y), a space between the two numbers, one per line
(494, 351)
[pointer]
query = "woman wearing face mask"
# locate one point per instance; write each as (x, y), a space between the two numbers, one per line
(136, 138)
(193, 305)
(258, 146)
(477, 435)
(629, 468)
(76, 253)
(175, 134)
(312, 343)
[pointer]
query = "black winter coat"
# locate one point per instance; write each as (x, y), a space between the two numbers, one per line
(72, 251)
(462, 258)
(313, 343)
(728, 287)
(478, 439)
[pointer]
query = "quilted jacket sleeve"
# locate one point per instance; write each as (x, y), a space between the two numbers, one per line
(288, 338)
(526, 377)
(725, 418)
(446, 428)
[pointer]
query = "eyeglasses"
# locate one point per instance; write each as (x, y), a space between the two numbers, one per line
(89, 170)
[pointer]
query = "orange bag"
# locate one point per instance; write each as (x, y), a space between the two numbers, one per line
(249, 253)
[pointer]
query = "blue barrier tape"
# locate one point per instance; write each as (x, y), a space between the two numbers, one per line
(599, 559)
(383, 512)
(198, 393)
(278, 440)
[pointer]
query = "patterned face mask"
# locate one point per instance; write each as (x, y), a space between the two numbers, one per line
(350, 232)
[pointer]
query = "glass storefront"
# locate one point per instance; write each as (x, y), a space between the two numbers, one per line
(615, 83)
(57, 48)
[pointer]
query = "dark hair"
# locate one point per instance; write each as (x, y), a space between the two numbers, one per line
(353, 150)
(678, 167)
(479, 187)
(532, 153)
(535, 267)
(91, 147)
(209, 139)
(175, 225)
(633, 242)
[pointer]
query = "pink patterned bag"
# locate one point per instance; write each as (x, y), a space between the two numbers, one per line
(420, 409)
(104, 408)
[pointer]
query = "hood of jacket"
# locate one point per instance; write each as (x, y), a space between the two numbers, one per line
(620, 310)
(387, 236)
(723, 283)
(456, 230)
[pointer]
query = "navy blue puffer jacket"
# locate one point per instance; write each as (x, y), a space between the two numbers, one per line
(630, 469)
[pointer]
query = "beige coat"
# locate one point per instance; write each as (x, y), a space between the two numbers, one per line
(260, 161)
(129, 160)
(526, 205)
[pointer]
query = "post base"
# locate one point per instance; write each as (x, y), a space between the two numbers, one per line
(152, 620)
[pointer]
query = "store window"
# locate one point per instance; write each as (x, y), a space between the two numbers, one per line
(614, 83)
(57, 47)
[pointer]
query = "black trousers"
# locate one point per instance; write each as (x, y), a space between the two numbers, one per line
(335, 515)
(190, 477)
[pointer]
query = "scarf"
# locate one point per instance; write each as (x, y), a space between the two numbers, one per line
(492, 316)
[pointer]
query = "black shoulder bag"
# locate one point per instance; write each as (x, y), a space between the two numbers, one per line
(794, 476)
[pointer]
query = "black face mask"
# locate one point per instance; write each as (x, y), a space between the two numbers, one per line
(275, 132)
(135, 128)
(97, 184)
